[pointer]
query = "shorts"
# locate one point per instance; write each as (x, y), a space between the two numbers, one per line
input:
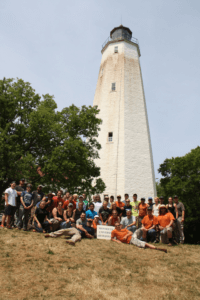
(9, 210)
(163, 235)
(137, 243)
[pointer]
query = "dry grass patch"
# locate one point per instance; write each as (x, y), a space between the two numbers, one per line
(33, 267)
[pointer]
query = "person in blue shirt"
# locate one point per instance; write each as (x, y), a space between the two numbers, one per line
(26, 199)
(90, 213)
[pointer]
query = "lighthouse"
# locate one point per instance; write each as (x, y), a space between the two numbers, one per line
(126, 161)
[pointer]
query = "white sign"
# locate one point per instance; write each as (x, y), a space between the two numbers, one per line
(104, 232)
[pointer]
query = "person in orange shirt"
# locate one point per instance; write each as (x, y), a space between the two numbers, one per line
(57, 198)
(119, 236)
(149, 223)
(142, 207)
(165, 222)
(119, 203)
(70, 200)
(95, 223)
(113, 219)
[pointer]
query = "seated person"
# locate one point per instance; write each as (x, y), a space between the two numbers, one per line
(119, 203)
(85, 206)
(68, 232)
(149, 223)
(165, 222)
(68, 217)
(70, 200)
(127, 207)
(119, 235)
(41, 221)
(115, 207)
(77, 212)
(81, 221)
(113, 219)
(58, 218)
(90, 213)
(104, 213)
(95, 223)
(129, 222)
(87, 231)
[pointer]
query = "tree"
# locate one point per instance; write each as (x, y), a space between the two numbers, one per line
(181, 176)
(35, 136)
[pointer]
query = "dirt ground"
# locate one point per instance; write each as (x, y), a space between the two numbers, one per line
(33, 267)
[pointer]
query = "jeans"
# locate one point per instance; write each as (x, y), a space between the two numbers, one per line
(64, 225)
(45, 226)
(151, 235)
(132, 228)
(23, 213)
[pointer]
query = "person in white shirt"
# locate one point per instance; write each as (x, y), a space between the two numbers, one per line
(10, 204)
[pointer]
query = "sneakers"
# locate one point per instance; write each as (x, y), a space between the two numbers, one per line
(2, 226)
(46, 235)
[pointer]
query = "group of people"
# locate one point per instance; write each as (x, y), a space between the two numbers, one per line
(136, 222)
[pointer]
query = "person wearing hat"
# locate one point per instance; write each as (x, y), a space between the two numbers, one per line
(150, 202)
(165, 222)
(119, 235)
(180, 218)
(80, 200)
(149, 223)
(25, 207)
(119, 203)
(104, 213)
(161, 199)
(142, 207)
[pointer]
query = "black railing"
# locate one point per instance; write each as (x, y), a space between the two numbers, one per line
(109, 39)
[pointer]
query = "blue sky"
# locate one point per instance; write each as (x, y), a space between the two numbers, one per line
(56, 46)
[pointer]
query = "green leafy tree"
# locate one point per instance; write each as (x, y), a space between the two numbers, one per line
(44, 145)
(181, 176)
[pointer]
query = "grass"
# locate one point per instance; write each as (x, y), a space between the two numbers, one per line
(33, 267)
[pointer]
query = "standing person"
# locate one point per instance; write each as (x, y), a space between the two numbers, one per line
(134, 205)
(19, 188)
(67, 202)
(113, 219)
(25, 207)
(90, 213)
(129, 221)
(106, 199)
(156, 207)
(85, 201)
(68, 217)
(66, 196)
(119, 236)
(97, 203)
(149, 223)
(41, 221)
(10, 205)
(57, 198)
(126, 196)
(111, 200)
(38, 195)
(171, 207)
(142, 211)
(104, 213)
(85, 206)
(150, 203)
(127, 207)
(162, 200)
(165, 222)
(119, 203)
(180, 218)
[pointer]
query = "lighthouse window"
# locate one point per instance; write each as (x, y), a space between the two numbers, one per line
(110, 136)
(113, 86)
(116, 49)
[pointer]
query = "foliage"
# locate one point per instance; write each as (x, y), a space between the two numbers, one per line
(181, 176)
(35, 136)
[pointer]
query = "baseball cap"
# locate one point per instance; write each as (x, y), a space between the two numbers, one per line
(143, 198)
(81, 196)
(150, 198)
(118, 196)
(161, 197)
(70, 204)
(96, 216)
(162, 206)
(22, 179)
(175, 196)
(149, 208)
(29, 185)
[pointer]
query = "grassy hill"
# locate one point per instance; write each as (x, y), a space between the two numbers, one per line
(33, 267)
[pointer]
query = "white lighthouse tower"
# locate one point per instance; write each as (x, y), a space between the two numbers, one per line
(126, 160)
